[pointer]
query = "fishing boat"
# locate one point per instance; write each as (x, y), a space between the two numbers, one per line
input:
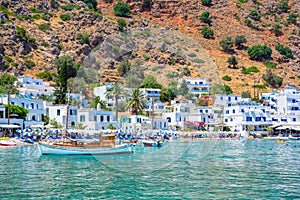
(105, 146)
(7, 143)
(153, 143)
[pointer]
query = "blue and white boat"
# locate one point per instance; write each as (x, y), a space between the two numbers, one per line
(106, 146)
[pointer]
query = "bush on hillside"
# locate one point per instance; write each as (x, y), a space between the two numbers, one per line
(285, 51)
(207, 32)
(259, 52)
(121, 9)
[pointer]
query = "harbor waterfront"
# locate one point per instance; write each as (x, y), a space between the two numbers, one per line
(209, 169)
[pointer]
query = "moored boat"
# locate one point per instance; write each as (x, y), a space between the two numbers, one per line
(7, 143)
(152, 143)
(104, 147)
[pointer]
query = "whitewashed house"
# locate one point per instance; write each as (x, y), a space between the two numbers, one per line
(138, 123)
(58, 113)
(247, 116)
(4, 120)
(197, 86)
(34, 87)
(35, 108)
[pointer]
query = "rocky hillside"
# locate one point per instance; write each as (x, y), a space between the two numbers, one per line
(164, 35)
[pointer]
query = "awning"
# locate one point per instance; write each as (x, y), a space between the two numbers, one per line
(9, 126)
(37, 126)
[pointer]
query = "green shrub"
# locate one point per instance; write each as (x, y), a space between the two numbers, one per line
(60, 46)
(259, 52)
(270, 65)
(226, 78)
(145, 56)
(254, 15)
(121, 9)
(205, 17)
(197, 60)
(29, 64)
(83, 39)
(44, 27)
(239, 41)
(243, 1)
(65, 17)
(70, 7)
(226, 44)
(207, 32)
(14, 64)
(285, 51)
(246, 94)
(206, 2)
(45, 44)
(292, 18)
(92, 4)
(283, 6)
(46, 75)
(36, 16)
(147, 4)
(8, 59)
(250, 69)
(186, 71)
(121, 24)
(277, 29)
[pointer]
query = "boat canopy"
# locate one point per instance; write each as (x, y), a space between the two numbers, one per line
(9, 126)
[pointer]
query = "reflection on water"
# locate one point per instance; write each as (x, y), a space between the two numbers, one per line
(202, 169)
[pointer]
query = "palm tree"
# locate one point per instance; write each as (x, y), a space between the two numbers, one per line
(137, 102)
(269, 129)
(249, 129)
(116, 92)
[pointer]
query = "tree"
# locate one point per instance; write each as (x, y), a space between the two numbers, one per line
(121, 9)
(66, 69)
(207, 32)
(249, 129)
(232, 61)
(284, 6)
(77, 85)
(259, 52)
(116, 92)
(17, 110)
(121, 24)
(96, 100)
(8, 80)
(111, 127)
(220, 89)
(137, 102)
(183, 88)
(146, 4)
(206, 2)
(239, 41)
(272, 79)
(246, 94)
(150, 82)
(124, 67)
(226, 44)
(205, 17)
(80, 126)
(55, 124)
(254, 15)
(269, 129)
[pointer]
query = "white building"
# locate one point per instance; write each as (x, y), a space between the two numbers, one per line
(243, 116)
(97, 119)
(197, 86)
(35, 108)
(4, 120)
(284, 106)
(34, 87)
(58, 113)
(138, 123)
(223, 100)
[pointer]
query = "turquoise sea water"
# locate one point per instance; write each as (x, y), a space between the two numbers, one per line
(179, 170)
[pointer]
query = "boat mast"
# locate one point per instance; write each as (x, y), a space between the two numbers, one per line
(8, 105)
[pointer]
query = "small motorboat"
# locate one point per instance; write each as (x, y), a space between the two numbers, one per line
(7, 143)
(153, 143)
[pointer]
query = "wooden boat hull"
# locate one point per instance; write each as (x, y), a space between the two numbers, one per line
(47, 149)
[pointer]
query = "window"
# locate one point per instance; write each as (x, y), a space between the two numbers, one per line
(23, 104)
(108, 118)
(242, 110)
(206, 111)
(249, 119)
(233, 111)
(1, 114)
(101, 118)
(95, 118)
(58, 112)
(32, 106)
(221, 98)
(201, 111)
(236, 98)
(227, 112)
(294, 119)
(226, 120)
(231, 119)
(229, 98)
(33, 118)
(257, 119)
(82, 118)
